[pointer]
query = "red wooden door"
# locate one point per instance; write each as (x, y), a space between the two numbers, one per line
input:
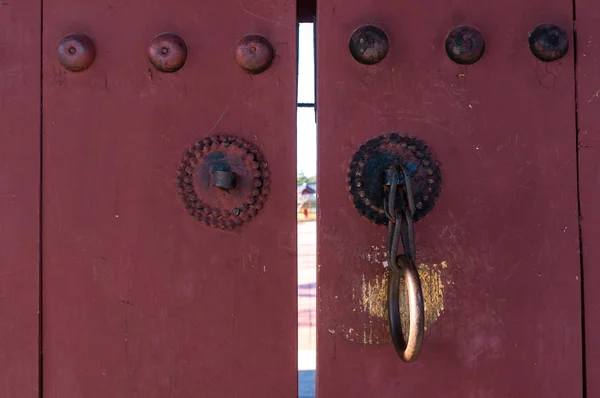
(141, 299)
(498, 257)
(20, 31)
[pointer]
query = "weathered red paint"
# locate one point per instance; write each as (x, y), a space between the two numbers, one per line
(504, 233)
(140, 299)
(588, 142)
(19, 197)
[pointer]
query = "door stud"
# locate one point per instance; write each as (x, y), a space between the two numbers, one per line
(76, 52)
(254, 54)
(369, 44)
(465, 45)
(167, 52)
(548, 42)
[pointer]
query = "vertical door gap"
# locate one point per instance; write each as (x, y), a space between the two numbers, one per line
(581, 267)
(307, 195)
(40, 212)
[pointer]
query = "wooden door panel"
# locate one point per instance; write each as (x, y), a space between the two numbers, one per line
(20, 27)
(588, 142)
(499, 254)
(141, 299)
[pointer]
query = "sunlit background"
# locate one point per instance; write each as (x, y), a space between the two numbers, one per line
(307, 171)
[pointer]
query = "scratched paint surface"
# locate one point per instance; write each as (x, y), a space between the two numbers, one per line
(588, 141)
(140, 299)
(20, 33)
(506, 222)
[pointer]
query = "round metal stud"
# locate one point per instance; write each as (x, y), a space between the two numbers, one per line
(76, 52)
(167, 52)
(367, 175)
(548, 42)
(218, 181)
(369, 44)
(254, 53)
(465, 45)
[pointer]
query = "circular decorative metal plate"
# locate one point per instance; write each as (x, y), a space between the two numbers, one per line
(223, 181)
(366, 175)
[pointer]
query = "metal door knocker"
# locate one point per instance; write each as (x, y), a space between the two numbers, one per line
(223, 181)
(394, 180)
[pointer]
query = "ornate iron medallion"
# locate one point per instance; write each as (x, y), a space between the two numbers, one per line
(223, 181)
(369, 168)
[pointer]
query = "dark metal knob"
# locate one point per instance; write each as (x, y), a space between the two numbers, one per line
(223, 179)
(465, 45)
(369, 44)
(167, 52)
(254, 53)
(76, 52)
(548, 42)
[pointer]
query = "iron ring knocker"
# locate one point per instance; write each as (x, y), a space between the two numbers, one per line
(394, 180)
(410, 349)
(401, 228)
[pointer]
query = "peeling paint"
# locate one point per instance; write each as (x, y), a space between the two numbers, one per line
(433, 293)
(373, 299)
(372, 302)
(377, 255)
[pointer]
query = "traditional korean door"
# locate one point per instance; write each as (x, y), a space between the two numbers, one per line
(140, 298)
(498, 255)
(147, 197)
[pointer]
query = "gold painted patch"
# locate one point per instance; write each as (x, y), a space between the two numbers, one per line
(374, 329)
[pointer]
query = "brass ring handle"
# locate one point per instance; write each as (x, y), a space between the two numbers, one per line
(408, 350)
